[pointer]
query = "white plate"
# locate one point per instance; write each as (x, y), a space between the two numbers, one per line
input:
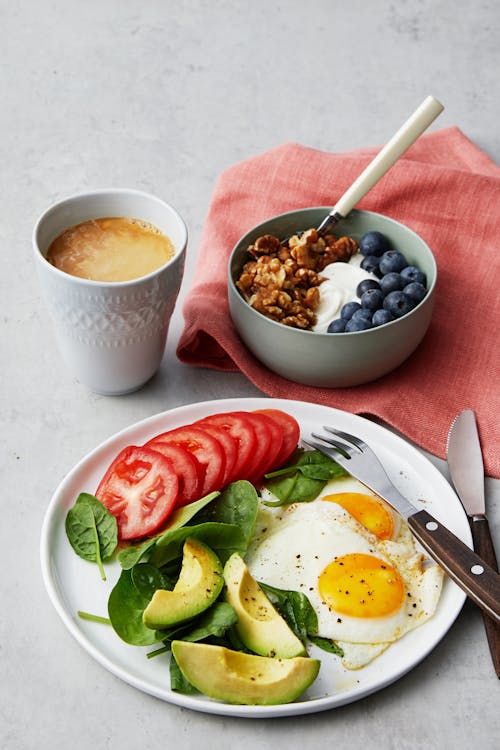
(74, 584)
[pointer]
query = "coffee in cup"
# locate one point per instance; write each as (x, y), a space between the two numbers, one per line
(110, 249)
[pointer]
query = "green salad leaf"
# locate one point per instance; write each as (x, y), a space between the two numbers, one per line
(327, 645)
(147, 579)
(213, 623)
(178, 682)
(295, 608)
(302, 481)
(125, 607)
(91, 530)
(236, 505)
(130, 556)
(222, 538)
(226, 526)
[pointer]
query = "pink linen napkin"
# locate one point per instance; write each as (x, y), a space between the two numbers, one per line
(445, 189)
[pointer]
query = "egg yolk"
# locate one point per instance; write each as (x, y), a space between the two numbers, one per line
(367, 510)
(361, 585)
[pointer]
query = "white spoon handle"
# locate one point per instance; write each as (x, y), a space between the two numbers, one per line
(399, 143)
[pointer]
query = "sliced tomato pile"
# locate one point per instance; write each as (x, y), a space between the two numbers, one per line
(144, 484)
(206, 449)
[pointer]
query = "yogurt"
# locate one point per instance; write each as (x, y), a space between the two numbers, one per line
(339, 287)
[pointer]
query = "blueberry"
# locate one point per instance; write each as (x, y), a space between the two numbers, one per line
(363, 314)
(398, 304)
(411, 273)
(337, 326)
(358, 325)
(392, 262)
(366, 284)
(381, 316)
(392, 282)
(370, 264)
(372, 299)
(348, 309)
(373, 243)
(415, 291)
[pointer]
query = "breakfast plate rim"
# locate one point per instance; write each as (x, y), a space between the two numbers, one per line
(55, 556)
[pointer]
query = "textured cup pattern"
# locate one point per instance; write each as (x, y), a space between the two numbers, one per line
(108, 319)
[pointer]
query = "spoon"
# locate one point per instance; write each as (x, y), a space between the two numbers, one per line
(396, 147)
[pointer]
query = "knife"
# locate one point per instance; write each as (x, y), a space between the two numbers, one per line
(465, 461)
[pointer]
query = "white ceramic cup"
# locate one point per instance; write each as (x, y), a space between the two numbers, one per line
(111, 334)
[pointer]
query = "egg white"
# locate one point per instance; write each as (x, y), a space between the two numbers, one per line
(293, 544)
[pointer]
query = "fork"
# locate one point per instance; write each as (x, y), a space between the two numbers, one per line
(479, 581)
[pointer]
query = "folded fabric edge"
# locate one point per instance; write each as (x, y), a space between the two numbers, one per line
(472, 158)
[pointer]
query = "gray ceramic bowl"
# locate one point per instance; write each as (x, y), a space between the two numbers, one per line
(339, 359)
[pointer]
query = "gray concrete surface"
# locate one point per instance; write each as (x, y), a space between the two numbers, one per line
(162, 96)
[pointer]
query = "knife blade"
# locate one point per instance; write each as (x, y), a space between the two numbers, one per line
(466, 466)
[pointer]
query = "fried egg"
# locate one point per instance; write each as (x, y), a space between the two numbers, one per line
(355, 560)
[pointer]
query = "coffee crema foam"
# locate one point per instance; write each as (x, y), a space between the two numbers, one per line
(111, 249)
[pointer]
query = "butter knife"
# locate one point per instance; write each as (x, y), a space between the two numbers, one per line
(465, 461)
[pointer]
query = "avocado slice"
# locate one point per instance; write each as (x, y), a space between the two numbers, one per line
(199, 584)
(260, 627)
(237, 677)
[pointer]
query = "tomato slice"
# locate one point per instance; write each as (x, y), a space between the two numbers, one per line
(290, 430)
(276, 442)
(188, 469)
(230, 447)
(237, 424)
(205, 448)
(265, 449)
(139, 489)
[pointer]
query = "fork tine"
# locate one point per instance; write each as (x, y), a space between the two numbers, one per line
(329, 451)
(343, 448)
(347, 436)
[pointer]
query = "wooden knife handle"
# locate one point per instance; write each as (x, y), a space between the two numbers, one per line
(479, 581)
(483, 544)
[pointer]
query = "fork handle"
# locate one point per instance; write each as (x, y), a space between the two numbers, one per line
(478, 579)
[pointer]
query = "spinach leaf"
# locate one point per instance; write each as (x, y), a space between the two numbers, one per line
(302, 481)
(232, 640)
(129, 556)
(177, 680)
(125, 607)
(237, 505)
(327, 645)
(223, 538)
(226, 526)
(295, 608)
(214, 622)
(147, 579)
(92, 530)
(176, 633)
(211, 624)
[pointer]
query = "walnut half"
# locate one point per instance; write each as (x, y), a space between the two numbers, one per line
(281, 280)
